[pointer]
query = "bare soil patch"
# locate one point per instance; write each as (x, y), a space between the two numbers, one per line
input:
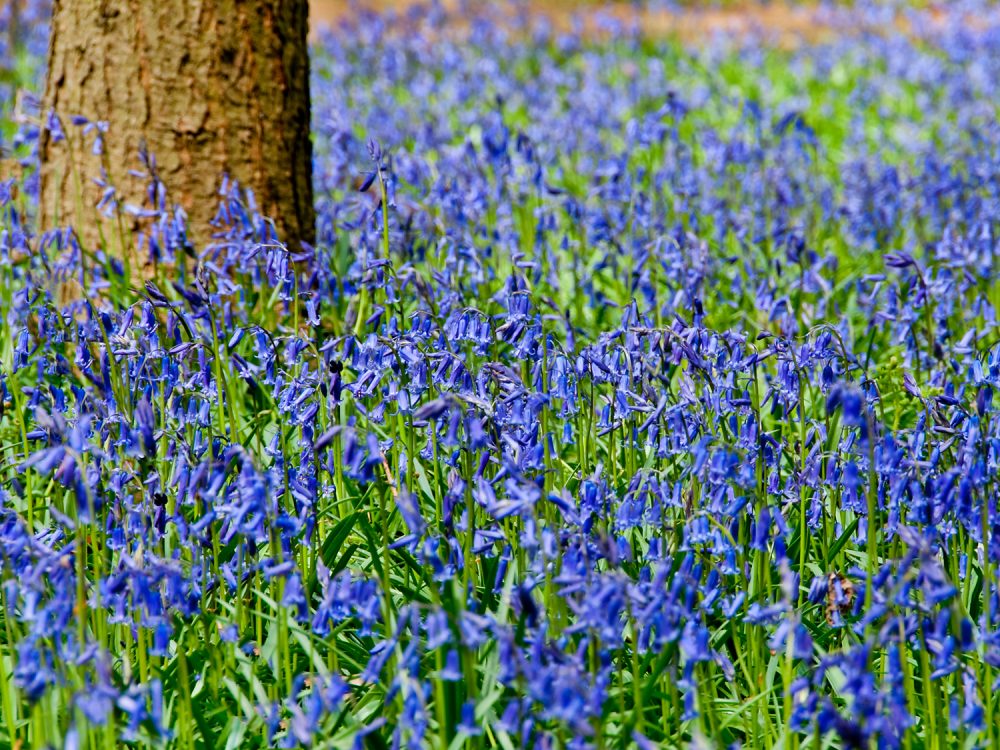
(785, 23)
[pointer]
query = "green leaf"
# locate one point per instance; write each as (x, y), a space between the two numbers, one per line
(842, 541)
(329, 551)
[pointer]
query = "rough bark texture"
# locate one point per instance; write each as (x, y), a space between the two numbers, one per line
(211, 87)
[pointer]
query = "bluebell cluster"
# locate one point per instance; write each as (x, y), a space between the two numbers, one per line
(633, 395)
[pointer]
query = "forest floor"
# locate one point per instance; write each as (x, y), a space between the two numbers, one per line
(783, 22)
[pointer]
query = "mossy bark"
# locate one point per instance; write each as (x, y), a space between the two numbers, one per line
(210, 87)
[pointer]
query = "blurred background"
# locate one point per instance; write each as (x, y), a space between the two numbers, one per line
(18, 16)
(781, 17)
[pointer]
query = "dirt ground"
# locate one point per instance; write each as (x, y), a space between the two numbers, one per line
(782, 18)
(783, 21)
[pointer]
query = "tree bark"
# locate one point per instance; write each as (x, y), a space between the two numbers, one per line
(14, 27)
(209, 87)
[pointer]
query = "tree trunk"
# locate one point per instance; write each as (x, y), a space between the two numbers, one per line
(210, 87)
(14, 27)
